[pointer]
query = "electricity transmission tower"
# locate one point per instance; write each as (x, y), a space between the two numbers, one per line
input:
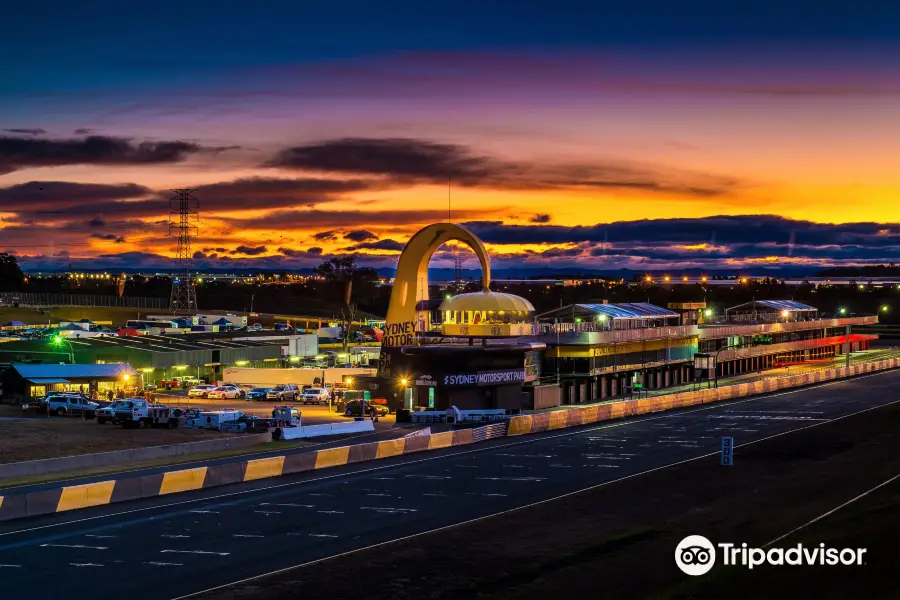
(457, 268)
(182, 223)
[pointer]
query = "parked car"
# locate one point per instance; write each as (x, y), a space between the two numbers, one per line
(258, 394)
(315, 396)
(288, 392)
(353, 408)
(225, 392)
(201, 391)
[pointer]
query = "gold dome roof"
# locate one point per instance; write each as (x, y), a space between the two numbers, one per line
(486, 301)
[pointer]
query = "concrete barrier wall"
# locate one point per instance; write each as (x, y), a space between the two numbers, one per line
(309, 431)
(121, 490)
(68, 498)
(128, 456)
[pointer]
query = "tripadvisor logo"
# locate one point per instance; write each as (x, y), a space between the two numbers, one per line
(696, 555)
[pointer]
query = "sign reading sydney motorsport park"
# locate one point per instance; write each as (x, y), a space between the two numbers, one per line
(484, 378)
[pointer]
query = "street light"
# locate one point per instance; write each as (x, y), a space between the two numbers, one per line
(707, 312)
(59, 340)
(885, 308)
(842, 310)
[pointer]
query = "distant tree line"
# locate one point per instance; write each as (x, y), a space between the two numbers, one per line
(887, 270)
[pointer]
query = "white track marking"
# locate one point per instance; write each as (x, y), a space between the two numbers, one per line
(85, 565)
(164, 564)
(527, 440)
(73, 546)
(195, 552)
(833, 510)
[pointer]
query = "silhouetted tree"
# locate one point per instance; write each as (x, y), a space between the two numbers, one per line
(11, 276)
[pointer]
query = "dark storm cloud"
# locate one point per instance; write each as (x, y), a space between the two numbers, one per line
(386, 244)
(360, 235)
(83, 131)
(323, 236)
(408, 161)
(721, 230)
(343, 218)
(291, 253)
(250, 251)
(61, 200)
(109, 237)
(27, 131)
(36, 196)
(713, 241)
(540, 218)
(22, 153)
(96, 222)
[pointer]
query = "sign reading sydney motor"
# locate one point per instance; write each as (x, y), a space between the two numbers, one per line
(486, 378)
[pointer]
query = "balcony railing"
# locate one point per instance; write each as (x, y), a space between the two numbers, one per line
(737, 329)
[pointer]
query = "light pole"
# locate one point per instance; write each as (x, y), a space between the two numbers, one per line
(60, 340)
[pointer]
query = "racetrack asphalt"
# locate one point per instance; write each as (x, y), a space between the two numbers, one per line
(171, 547)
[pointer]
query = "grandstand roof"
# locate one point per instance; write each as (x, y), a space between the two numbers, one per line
(629, 310)
(788, 305)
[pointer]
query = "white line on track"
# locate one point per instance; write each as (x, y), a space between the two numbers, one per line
(195, 552)
(287, 504)
(85, 565)
(98, 536)
(10, 566)
(79, 546)
(533, 504)
(246, 535)
(833, 510)
(164, 564)
(528, 440)
(331, 512)
(175, 537)
(321, 535)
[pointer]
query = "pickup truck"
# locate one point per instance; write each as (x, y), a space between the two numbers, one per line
(68, 404)
(108, 413)
(137, 412)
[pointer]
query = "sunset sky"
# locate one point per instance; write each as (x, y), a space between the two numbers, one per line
(645, 135)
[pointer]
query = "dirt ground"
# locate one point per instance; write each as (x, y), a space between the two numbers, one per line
(37, 438)
(618, 541)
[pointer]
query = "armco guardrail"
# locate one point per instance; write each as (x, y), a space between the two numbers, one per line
(151, 486)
